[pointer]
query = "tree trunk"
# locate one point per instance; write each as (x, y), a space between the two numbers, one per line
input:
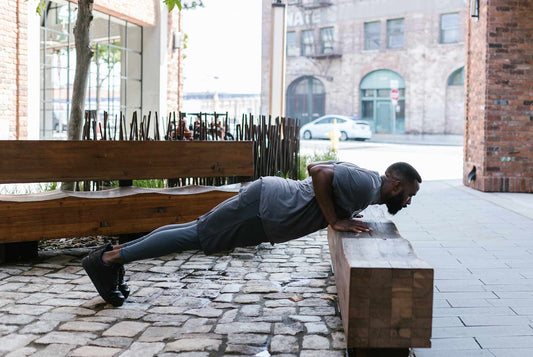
(83, 61)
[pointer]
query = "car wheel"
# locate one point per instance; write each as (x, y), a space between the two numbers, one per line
(307, 135)
(344, 136)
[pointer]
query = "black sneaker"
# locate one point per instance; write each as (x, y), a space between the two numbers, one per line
(104, 276)
(122, 286)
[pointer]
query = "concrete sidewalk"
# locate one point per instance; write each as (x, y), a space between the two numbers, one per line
(480, 245)
(418, 139)
(282, 299)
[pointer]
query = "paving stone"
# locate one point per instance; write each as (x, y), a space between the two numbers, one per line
(55, 350)
(125, 329)
(279, 311)
(247, 298)
(154, 334)
(263, 287)
(317, 311)
(231, 288)
(83, 326)
(250, 310)
(338, 340)
(284, 344)
(117, 342)
(122, 314)
(25, 309)
(163, 318)
(243, 349)
(74, 310)
(301, 318)
(16, 319)
(22, 352)
(143, 349)
(39, 327)
(90, 351)
(205, 312)
(243, 327)
(72, 338)
(15, 341)
(229, 316)
(288, 329)
(224, 298)
(316, 328)
(420, 352)
(315, 342)
(248, 339)
(510, 352)
(194, 344)
(491, 342)
(7, 329)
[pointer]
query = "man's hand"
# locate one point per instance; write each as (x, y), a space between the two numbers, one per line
(350, 225)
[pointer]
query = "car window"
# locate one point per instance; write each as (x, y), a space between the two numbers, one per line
(340, 121)
(324, 121)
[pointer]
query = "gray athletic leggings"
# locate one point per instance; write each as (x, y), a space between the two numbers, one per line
(162, 241)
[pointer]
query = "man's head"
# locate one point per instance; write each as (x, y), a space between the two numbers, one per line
(401, 183)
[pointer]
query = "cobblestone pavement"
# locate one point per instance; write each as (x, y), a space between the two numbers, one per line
(280, 299)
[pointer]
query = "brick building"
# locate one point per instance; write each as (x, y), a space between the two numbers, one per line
(136, 65)
(345, 56)
(499, 104)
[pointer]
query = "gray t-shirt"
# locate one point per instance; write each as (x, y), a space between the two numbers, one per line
(289, 210)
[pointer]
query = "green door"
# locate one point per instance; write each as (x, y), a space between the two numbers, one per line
(384, 117)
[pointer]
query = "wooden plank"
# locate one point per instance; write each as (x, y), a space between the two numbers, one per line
(117, 211)
(57, 161)
(385, 290)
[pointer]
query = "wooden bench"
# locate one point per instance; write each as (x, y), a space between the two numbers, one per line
(385, 291)
(123, 210)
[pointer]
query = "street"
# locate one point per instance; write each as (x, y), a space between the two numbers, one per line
(433, 162)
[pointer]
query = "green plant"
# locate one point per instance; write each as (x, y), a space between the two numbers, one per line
(152, 183)
(305, 160)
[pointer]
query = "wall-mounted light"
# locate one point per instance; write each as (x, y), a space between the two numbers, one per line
(474, 9)
(176, 41)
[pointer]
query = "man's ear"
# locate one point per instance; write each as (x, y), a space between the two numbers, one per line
(397, 186)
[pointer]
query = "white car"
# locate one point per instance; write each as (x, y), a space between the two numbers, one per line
(347, 127)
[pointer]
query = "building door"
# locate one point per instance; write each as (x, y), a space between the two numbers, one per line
(306, 98)
(376, 105)
(384, 117)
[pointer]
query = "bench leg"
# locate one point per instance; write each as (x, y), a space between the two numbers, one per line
(18, 251)
(377, 352)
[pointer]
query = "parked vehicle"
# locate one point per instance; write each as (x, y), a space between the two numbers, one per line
(348, 128)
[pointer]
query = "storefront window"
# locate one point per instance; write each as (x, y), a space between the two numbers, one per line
(115, 76)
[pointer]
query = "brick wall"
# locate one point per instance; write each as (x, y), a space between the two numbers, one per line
(13, 69)
(499, 105)
(140, 12)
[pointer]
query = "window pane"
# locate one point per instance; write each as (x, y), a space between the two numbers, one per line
(372, 34)
(326, 40)
(369, 93)
(117, 33)
(133, 97)
(384, 93)
(134, 65)
(292, 46)
(134, 37)
(368, 109)
(308, 43)
(395, 33)
(449, 28)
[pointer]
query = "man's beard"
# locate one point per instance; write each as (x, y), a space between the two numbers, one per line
(395, 203)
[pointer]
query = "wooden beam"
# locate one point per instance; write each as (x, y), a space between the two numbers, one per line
(111, 212)
(57, 161)
(385, 291)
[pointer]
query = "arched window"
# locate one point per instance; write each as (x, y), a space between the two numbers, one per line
(306, 99)
(377, 105)
(457, 78)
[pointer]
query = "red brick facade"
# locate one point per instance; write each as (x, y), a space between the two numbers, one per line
(13, 67)
(499, 105)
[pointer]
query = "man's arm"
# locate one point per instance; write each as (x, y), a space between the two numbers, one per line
(322, 174)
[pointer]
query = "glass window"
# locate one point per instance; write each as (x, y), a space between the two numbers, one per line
(449, 28)
(326, 40)
(368, 109)
(292, 45)
(395, 38)
(457, 78)
(308, 43)
(372, 34)
(115, 68)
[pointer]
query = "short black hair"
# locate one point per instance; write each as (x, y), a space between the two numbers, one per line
(404, 172)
